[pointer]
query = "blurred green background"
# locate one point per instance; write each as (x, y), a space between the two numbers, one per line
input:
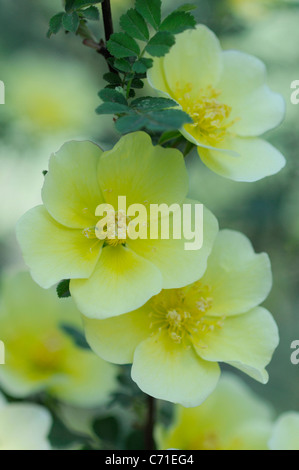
(51, 95)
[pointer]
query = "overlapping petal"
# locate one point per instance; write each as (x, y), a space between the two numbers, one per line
(167, 371)
(179, 266)
(54, 252)
(246, 342)
(190, 46)
(143, 173)
(121, 282)
(244, 159)
(239, 278)
(115, 339)
(71, 191)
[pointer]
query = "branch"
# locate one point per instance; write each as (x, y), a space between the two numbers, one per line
(107, 17)
(100, 47)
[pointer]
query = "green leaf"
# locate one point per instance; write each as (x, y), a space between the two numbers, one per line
(177, 22)
(168, 136)
(160, 44)
(127, 124)
(76, 4)
(85, 3)
(136, 83)
(91, 13)
(76, 335)
(122, 45)
(150, 10)
(69, 4)
(56, 23)
(63, 289)
(134, 24)
(112, 108)
(167, 119)
(187, 7)
(112, 78)
(71, 22)
(107, 429)
(142, 65)
(123, 65)
(149, 103)
(112, 95)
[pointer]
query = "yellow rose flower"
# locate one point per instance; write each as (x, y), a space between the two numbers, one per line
(232, 418)
(109, 278)
(255, 9)
(40, 356)
(49, 96)
(226, 94)
(23, 426)
(176, 340)
(285, 435)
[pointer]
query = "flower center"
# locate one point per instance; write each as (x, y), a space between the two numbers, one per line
(183, 314)
(114, 231)
(47, 353)
(210, 116)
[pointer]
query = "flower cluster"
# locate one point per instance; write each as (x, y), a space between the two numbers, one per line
(177, 338)
(226, 94)
(174, 314)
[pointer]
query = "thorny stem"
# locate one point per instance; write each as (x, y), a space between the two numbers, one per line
(149, 428)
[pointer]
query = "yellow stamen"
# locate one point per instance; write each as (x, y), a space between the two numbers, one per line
(183, 314)
(210, 116)
(115, 230)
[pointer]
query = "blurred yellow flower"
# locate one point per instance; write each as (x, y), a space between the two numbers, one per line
(252, 9)
(59, 240)
(285, 435)
(40, 356)
(23, 426)
(226, 94)
(50, 96)
(232, 418)
(176, 340)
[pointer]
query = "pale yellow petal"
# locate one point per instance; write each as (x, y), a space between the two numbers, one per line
(71, 191)
(245, 159)
(194, 60)
(143, 173)
(54, 252)
(239, 278)
(246, 342)
(179, 266)
(243, 87)
(115, 339)
(168, 371)
(285, 435)
(121, 282)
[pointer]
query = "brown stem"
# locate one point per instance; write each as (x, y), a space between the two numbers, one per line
(149, 428)
(107, 17)
(108, 26)
(98, 46)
